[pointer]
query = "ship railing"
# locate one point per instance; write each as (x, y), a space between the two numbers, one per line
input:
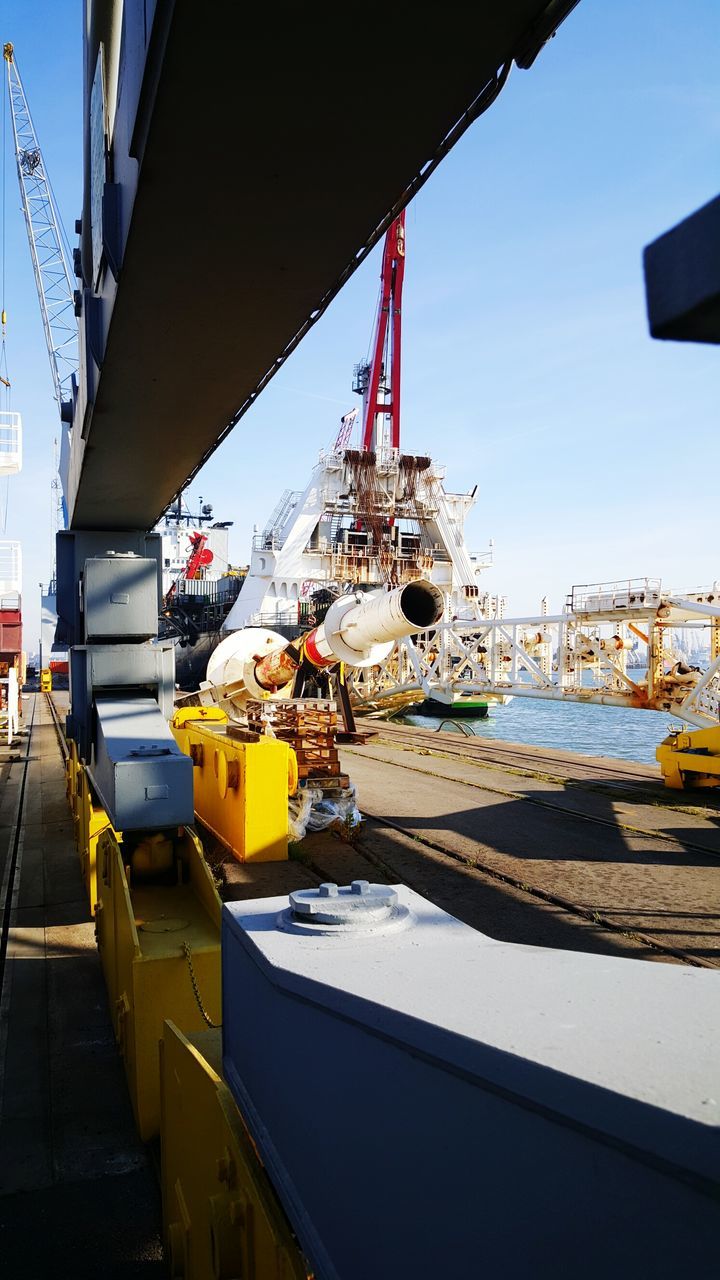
(605, 597)
(266, 542)
(10, 569)
(10, 443)
(290, 621)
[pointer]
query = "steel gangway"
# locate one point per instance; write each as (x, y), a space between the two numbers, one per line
(580, 655)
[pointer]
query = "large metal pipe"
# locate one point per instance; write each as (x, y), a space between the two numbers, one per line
(358, 627)
(359, 630)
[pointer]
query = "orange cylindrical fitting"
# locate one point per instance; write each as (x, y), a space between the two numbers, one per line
(275, 670)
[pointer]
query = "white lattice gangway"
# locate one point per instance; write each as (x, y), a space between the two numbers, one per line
(580, 655)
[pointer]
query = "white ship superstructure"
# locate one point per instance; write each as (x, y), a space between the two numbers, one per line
(180, 531)
(372, 516)
(367, 519)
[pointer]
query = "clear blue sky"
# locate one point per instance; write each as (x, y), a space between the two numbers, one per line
(528, 368)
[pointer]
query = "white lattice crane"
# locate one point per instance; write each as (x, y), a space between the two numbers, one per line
(49, 257)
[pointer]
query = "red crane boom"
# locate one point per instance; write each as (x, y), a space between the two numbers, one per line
(387, 343)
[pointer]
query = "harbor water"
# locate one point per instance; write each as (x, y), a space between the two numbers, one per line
(620, 732)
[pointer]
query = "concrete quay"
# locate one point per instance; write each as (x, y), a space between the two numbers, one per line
(544, 847)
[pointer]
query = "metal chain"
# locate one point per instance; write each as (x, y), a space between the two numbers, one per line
(188, 956)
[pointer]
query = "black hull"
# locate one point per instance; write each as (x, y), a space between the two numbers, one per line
(191, 661)
(475, 710)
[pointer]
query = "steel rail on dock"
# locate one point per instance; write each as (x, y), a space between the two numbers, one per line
(530, 891)
(484, 855)
(7, 889)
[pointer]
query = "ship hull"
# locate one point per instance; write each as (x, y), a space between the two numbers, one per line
(460, 708)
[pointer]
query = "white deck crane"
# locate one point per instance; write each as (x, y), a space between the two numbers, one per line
(47, 249)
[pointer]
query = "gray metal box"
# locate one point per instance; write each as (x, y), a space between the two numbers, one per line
(461, 1107)
(73, 549)
(143, 779)
(120, 598)
(147, 668)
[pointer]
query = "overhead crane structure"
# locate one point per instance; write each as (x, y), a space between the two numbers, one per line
(547, 1054)
(264, 259)
(250, 262)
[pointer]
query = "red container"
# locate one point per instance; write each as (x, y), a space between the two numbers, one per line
(10, 631)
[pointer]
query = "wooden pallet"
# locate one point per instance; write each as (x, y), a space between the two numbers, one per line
(294, 713)
(317, 752)
(326, 782)
(303, 728)
(331, 769)
(308, 741)
(309, 725)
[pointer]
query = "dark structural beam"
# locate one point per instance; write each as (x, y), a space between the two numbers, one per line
(682, 279)
(251, 155)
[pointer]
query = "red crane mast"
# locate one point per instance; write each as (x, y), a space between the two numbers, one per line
(382, 394)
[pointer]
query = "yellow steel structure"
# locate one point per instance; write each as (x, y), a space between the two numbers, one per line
(158, 931)
(221, 1215)
(71, 769)
(240, 787)
(90, 821)
(690, 759)
(46, 680)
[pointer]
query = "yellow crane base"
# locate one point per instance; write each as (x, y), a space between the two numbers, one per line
(240, 785)
(690, 759)
(90, 821)
(221, 1215)
(157, 923)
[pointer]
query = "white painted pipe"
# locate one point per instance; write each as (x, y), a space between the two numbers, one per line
(361, 629)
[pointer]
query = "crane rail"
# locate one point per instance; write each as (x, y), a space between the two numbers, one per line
(596, 774)
(647, 884)
(483, 870)
(7, 889)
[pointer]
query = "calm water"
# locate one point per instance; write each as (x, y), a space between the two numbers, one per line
(590, 730)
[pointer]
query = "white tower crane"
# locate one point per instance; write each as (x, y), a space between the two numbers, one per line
(48, 252)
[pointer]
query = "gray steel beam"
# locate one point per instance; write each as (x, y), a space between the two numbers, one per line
(252, 156)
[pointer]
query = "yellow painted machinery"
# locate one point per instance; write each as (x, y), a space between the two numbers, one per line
(690, 759)
(90, 821)
(241, 783)
(71, 768)
(221, 1215)
(46, 680)
(158, 931)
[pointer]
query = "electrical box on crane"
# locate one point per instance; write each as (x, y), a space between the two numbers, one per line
(122, 680)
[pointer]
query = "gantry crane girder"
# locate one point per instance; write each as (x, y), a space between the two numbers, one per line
(239, 162)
